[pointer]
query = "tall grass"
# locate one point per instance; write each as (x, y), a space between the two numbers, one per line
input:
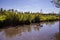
(11, 17)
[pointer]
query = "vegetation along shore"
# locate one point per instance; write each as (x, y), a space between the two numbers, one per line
(13, 17)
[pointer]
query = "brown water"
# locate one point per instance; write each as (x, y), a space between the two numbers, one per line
(42, 31)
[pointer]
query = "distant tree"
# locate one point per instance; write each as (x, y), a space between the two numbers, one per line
(1, 11)
(9, 10)
(4, 10)
(27, 12)
(12, 10)
(41, 11)
(16, 11)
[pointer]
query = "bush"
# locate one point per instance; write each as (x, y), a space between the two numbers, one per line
(18, 18)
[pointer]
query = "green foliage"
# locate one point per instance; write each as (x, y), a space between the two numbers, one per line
(2, 17)
(11, 17)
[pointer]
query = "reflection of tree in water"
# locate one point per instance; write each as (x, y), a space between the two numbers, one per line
(57, 36)
(37, 27)
(1, 30)
(59, 26)
(50, 23)
(13, 31)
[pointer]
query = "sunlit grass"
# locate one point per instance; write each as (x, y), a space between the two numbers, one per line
(12, 17)
(2, 17)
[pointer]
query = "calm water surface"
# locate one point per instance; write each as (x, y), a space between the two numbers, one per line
(42, 31)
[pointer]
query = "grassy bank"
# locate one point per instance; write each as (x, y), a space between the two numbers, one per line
(13, 17)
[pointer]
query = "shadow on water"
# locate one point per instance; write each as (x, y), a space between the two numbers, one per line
(57, 36)
(11, 31)
(37, 31)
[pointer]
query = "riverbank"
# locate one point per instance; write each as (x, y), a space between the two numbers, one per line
(11, 17)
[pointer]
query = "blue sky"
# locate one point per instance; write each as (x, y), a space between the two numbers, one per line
(29, 5)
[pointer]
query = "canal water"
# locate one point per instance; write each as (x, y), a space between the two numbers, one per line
(41, 31)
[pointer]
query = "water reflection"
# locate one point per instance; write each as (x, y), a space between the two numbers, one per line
(41, 31)
(13, 31)
(57, 36)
